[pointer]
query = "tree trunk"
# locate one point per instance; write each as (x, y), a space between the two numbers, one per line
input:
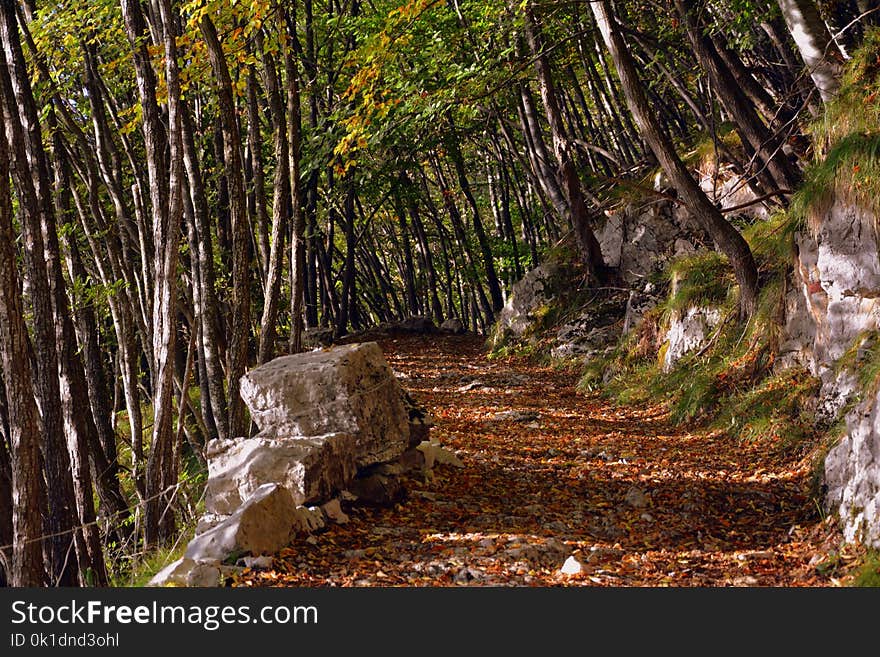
(818, 50)
(280, 208)
(298, 236)
(35, 198)
(26, 567)
(238, 343)
(726, 238)
(578, 213)
(767, 146)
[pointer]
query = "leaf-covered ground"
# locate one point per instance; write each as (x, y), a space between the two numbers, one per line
(551, 473)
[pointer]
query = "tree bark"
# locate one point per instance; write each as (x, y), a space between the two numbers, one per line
(26, 567)
(238, 343)
(579, 214)
(815, 45)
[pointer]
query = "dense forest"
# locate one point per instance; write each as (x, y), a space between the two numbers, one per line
(189, 188)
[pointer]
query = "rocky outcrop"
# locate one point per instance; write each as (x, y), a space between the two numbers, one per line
(688, 331)
(641, 240)
(832, 311)
(852, 474)
(528, 296)
(838, 275)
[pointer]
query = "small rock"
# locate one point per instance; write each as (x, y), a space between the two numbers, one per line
(636, 498)
(263, 562)
(354, 554)
(647, 517)
(434, 454)
(572, 566)
(311, 540)
(452, 325)
(379, 490)
(466, 576)
(334, 513)
(308, 519)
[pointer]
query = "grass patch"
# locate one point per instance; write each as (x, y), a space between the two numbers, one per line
(140, 569)
(856, 108)
(869, 572)
(850, 173)
(846, 141)
(703, 279)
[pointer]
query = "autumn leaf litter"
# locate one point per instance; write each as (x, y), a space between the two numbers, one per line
(553, 478)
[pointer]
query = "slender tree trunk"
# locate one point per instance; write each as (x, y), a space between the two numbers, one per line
(298, 237)
(207, 306)
(818, 50)
(238, 344)
(767, 146)
(578, 213)
(726, 238)
(280, 208)
(26, 566)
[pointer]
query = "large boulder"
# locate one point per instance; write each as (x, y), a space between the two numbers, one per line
(349, 389)
(312, 468)
(528, 296)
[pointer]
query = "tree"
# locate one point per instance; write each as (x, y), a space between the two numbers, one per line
(726, 238)
(815, 45)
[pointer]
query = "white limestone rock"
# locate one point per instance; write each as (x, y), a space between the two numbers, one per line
(348, 389)
(262, 525)
(312, 469)
(189, 573)
(852, 475)
(572, 566)
(689, 332)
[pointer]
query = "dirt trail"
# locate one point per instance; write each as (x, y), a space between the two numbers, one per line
(550, 473)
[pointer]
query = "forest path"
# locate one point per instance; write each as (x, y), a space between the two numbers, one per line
(550, 472)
